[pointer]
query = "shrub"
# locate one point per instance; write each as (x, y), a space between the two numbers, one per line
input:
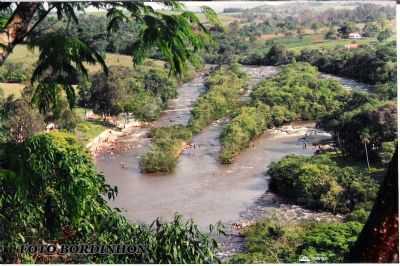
(320, 182)
(249, 123)
(271, 241)
(165, 149)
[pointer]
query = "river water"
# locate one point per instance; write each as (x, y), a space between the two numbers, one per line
(200, 188)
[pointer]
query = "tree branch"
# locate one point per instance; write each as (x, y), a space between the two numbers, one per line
(16, 28)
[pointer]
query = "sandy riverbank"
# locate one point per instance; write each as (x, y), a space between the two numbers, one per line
(106, 142)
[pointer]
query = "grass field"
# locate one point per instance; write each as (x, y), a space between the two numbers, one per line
(87, 130)
(12, 88)
(23, 55)
(296, 43)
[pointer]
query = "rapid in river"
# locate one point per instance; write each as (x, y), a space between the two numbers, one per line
(200, 188)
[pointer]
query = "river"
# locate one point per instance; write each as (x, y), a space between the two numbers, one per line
(200, 188)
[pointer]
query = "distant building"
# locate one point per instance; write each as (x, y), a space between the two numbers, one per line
(354, 35)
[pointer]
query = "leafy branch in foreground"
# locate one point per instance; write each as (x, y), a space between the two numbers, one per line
(52, 188)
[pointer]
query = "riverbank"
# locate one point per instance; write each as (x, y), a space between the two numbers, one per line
(106, 142)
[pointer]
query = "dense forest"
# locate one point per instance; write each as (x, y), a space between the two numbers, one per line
(68, 75)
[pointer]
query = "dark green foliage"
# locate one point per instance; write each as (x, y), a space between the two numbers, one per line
(53, 189)
(249, 123)
(278, 55)
(347, 28)
(160, 85)
(386, 91)
(61, 63)
(323, 182)
(174, 36)
(383, 35)
(272, 241)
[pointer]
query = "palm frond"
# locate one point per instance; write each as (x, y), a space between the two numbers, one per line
(62, 61)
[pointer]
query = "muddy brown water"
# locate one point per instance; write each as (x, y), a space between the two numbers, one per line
(200, 188)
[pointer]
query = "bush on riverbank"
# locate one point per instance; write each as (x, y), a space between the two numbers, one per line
(249, 123)
(167, 143)
(323, 182)
(271, 241)
(222, 97)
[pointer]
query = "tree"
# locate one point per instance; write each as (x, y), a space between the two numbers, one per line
(364, 136)
(108, 91)
(347, 28)
(370, 29)
(331, 34)
(316, 26)
(379, 239)
(278, 55)
(21, 120)
(383, 35)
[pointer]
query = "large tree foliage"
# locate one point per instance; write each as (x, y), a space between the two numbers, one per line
(51, 192)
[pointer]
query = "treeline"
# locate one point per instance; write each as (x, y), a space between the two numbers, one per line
(285, 18)
(224, 87)
(296, 93)
(373, 64)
